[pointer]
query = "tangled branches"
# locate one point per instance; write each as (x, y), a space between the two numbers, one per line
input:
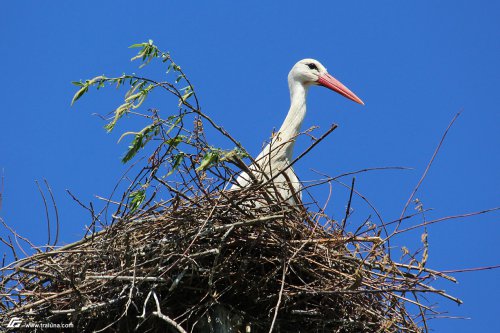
(204, 253)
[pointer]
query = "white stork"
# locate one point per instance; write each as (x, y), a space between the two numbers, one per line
(277, 155)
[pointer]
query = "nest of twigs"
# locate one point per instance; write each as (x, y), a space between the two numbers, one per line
(189, 265)
(211, 260)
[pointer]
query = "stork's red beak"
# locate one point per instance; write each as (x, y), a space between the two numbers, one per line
(326, 80)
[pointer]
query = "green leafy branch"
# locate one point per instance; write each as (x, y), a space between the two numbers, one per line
(140, 140)
(139, 90)
(215, 156)
(181, 150)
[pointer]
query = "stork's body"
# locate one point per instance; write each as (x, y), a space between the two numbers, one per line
(278, 154)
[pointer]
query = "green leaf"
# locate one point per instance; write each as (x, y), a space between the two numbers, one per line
(79, 93)
(139, 142)
(236, 152)
(176, 122)
(127, 133)
(137, 45)
(137, 199)
(211, 158)
(139, 55)
(119, 112)
(177, 162)
(174, 142)
(170, 66)
(133, 97)
(78, 83)
(98, 79)
(185, 97)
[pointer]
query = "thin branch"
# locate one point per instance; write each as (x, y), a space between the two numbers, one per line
(436, 151)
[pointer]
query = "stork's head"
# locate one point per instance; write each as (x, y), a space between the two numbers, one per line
(311, 72)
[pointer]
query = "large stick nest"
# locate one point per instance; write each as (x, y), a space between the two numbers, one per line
(189, 262)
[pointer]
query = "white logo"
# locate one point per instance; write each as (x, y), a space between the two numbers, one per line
(14, 322)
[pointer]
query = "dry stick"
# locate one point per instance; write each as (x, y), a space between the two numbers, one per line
(445, 219)
(283, 276)
(36, 272)
(11, 246)
(177, 280)
(365, 199)
(372, 291)
(427, 168)
(143, 315)
(407, 217)
(329, 179)
(427, 270)
(89, 209)
(124, 278)
(16, 236)
(373, 239)
(46, 211)
(94, 218)
(169, 320)
(327, 201)
(55, 210)
(475, 269)
(348, 209)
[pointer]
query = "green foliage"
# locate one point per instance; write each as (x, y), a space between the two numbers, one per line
(140, 140)
(177, 160)
(179, 149)
(137, 198)
(148, 52)
(215, 156)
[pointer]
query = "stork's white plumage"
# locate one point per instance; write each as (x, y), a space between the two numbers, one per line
(278, 154)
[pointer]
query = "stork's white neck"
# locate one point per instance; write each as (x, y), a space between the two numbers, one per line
(293, 121)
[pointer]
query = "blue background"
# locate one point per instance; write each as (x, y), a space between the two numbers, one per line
(414, 64)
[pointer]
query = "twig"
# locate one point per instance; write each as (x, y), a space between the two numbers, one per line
(46, 211)
(56, 212)
(436, 151)
(125, 278)
(280, 294)
(474, 269)
(348, 209)
(446, 218)
(167, 319)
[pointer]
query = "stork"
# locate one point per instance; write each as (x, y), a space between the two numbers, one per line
(277, 155)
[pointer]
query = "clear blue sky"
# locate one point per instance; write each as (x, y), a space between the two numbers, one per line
(414, 64)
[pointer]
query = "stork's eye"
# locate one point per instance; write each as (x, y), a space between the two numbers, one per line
(312, 66)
